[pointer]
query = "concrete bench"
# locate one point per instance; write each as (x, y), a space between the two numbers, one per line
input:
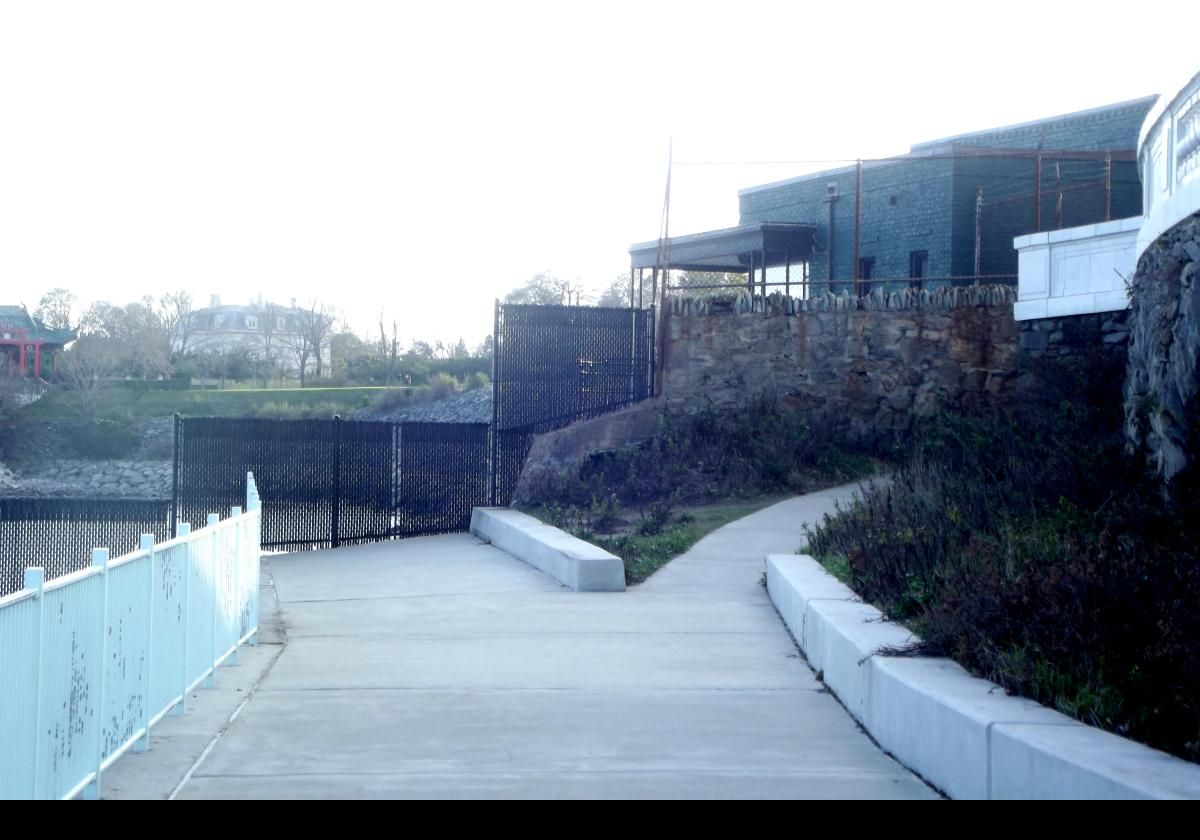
(573, 562)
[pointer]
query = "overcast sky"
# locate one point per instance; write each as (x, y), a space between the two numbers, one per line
(426, 158)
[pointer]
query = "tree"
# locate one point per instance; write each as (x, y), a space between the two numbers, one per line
(389, 349)
(547, 290)
(617, 293)
(723, 282)
(267, 316)
(87, 369)
(313, 327)
(56, 309)
(136, 334)
(177, 316)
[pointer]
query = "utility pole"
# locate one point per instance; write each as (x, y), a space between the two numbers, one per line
(857, 226)
(978, 233)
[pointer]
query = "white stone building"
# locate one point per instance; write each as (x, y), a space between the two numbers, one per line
(271, 331)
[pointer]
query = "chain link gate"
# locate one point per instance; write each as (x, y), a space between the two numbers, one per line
(556, 365)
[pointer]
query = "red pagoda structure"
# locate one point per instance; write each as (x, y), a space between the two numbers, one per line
(27, 348)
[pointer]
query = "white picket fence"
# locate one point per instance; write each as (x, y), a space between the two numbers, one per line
(91, 660)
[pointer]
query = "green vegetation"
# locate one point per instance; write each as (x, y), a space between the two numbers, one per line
(103, 440)
(287, 403)
(762, 447)
(1029, 549)
(650, 503)
(646, 543)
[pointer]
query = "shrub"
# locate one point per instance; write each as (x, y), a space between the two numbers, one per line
(392, 400)
(1030, 550)
(477, 380)
(104, 440)
(442, 385)
(759, 448)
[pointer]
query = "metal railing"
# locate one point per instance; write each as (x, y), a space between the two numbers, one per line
(89, 662)
(804, 287)
(1169, 161)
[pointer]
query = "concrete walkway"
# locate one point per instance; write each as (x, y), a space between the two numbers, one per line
(441, 667)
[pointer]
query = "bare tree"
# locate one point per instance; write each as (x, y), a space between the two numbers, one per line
(56, 309)
(177, 313)
(268, 329)
(313, 328)
(547, 289)
(87, 368)
(389, 349)
(136, 335)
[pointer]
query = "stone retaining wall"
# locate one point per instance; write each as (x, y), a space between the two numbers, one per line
(1162, 385)
(873, 365)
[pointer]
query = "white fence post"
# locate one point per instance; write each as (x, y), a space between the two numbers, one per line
(35, 579)
(213, 521)
(143, 743)
(185, 531)
(254, 528)
(234, 514)
(100, 559)
(31, 751)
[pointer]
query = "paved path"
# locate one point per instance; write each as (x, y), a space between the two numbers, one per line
(441, 667)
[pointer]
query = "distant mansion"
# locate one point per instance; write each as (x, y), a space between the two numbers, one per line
(271, 331)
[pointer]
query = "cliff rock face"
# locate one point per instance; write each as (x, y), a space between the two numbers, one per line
(1164, 349)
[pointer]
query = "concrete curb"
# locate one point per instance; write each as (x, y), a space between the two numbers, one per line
(963, 734)
(576, 564)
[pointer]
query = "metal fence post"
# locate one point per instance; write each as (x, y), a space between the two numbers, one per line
(335, 520)
(495, 468)
(185, 531)
(213, 521)
(143, 743)
(175, 481)
(35, 579)
(100, 559)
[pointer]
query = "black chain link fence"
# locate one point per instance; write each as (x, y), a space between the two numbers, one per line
(59, 534)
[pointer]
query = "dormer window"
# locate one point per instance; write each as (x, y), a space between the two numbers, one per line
(251, 322)
(281, 324)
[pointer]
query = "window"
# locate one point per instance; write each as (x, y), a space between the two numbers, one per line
(918, 264)
(281, 324)
(866, 271)
(251, 322)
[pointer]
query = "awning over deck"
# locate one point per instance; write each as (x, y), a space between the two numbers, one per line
(732, 250)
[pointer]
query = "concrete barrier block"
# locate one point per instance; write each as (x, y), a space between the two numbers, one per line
(842, 637)
(936, 718)
(961, 733)
(576, 564)
(795, 579)
(1080, 762)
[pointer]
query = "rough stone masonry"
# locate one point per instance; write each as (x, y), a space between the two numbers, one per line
(1161, 387)
(873, 365)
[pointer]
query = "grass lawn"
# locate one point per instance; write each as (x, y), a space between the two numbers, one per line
(290, 403)
(644, 554)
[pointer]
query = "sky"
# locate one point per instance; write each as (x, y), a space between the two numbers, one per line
(423, 159)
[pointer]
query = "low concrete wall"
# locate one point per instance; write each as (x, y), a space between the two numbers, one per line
(963, 734)
(1077, 271)
(573, 562)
